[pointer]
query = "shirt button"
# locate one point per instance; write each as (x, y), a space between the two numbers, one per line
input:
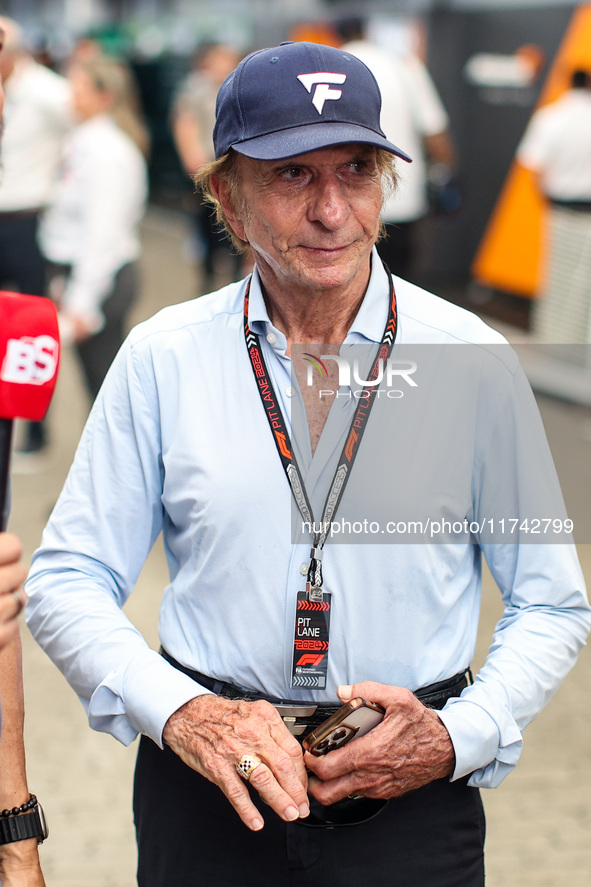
(304, 569)
(271, 338)
(290, 392)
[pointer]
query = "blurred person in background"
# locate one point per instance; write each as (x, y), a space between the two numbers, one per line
(90, 232)
(414, 112)
(37, 118)
(85, 49)
(556, 147)
(19, 837)
(192, 122)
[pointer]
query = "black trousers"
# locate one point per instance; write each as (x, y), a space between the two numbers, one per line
(189, 836)
(97, 353)
(22, 267)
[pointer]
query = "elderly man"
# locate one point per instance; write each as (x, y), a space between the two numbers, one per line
(210, 422)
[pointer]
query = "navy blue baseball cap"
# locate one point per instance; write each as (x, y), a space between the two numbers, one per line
(295, 98)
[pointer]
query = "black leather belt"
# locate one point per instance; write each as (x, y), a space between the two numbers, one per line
(301, 717)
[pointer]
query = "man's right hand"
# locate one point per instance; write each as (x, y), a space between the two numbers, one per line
(211, 734)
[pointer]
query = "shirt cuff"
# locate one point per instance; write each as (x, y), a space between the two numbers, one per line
(142, 702)
(483, 750)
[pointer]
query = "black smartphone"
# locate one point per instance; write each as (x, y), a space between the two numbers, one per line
(355, 718)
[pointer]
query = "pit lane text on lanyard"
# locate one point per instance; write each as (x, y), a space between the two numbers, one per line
(312, 620)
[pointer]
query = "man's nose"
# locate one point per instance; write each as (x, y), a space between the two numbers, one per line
(329, 204)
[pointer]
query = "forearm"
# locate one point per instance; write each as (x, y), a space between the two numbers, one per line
(13, 779)
(21, 856)
(533, 649)
(126, 687)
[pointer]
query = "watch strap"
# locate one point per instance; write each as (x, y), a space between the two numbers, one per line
(21, 827)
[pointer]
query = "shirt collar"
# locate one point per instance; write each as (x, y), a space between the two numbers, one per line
(369, 322)
(258, 315)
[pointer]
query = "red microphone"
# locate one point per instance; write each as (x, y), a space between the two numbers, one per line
(29, 361)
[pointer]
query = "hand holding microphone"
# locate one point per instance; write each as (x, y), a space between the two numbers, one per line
(29, 361)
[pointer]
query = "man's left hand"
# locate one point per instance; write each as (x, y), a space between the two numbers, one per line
(407, 750)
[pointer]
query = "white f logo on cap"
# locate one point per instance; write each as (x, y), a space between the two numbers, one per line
(323, 91)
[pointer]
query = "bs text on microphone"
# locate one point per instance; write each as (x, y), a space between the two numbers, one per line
(29, 362)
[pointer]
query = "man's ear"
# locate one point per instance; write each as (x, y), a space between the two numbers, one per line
(221, 191)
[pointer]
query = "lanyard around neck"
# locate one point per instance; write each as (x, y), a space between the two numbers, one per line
(349, 451)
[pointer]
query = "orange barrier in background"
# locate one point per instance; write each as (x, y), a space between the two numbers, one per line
(509, 257)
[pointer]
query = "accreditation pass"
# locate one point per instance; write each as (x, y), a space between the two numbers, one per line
(310, 643)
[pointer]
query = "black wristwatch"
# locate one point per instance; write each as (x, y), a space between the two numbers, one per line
(21, 823)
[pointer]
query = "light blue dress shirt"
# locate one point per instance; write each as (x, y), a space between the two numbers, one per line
(178, 443)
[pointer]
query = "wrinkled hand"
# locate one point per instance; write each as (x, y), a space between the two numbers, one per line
(12, 576)
(407, 750)
(19, 865)
(211, 734)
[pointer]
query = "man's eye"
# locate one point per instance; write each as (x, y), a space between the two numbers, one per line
(291, 172)
(358, 166)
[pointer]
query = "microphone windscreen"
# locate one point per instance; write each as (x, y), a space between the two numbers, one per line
(29, 355)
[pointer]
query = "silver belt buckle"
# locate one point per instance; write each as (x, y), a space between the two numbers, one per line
(291, 713)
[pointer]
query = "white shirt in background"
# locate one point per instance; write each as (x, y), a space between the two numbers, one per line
(411, 111)
(93, 219)
(557, 144)
(37, 117)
